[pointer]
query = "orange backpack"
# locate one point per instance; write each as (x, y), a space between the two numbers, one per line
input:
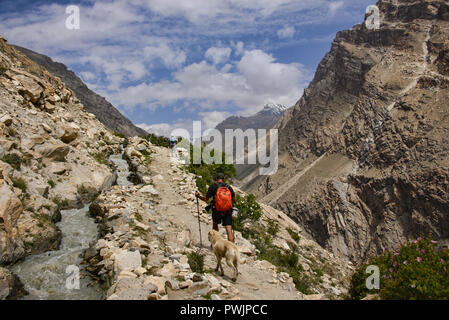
(223, 199)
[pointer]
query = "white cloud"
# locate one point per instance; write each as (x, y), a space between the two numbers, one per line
(286, 32)
(87, 76)
(171, 58)
(334, 6)
(259, 79)
(211, 119)
(166, 129)
(193, 10)
(239, 48)
(218, 55)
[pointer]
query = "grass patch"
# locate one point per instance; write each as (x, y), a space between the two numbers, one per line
(42, 219)
(293, 234)
(82, 190)
(51, 183)
(138, 217)
(208, 296)
(272, 228)
(60, 202)
(285, 260)
(13, 160)
(120, 135)
(138, 231)
(196, 262)
(147, 156)
(144, 261)
(19, 183)
(101, 157)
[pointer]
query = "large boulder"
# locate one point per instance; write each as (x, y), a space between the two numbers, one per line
(34, 139)
(149, 189)
(53, 150)
(69, 132)
(6, 119)
(11, 247)
(10, 208)
(11, 288)
(128, 288)
(30, 88)
(127, 261)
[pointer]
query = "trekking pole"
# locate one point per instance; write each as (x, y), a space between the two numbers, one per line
(199, 222)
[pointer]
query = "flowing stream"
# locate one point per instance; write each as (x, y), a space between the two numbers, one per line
(50, 275)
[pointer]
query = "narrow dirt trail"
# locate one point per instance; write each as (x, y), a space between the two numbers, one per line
(422, 68)
(255, 280)
(276, 194)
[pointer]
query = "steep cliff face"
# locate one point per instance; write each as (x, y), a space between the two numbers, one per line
(364, 153)
(94, 103)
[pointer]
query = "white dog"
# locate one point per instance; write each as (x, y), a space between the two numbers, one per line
(225, 249)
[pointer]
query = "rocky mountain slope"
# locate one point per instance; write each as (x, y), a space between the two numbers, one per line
(93, 103)
(51, 155)
(364, 152)
(149, 230)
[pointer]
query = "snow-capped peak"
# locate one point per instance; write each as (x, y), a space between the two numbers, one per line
(276, 109)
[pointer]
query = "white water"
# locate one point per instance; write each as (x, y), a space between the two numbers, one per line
(44, 275)
(122, 170)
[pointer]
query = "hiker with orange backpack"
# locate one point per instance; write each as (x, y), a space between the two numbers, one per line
(223, 198)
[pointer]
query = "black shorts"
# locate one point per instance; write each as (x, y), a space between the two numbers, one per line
(225, 219)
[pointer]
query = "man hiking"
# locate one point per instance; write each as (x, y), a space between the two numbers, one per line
(173, 142)
(223, 198)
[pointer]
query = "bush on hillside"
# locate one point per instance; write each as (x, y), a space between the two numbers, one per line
(206, 173)
(13, 160)
(156, 140)
(419, 271)
(249, 210)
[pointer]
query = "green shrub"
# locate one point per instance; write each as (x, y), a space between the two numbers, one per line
(42, 219)
(147, 156)
(206, 173)
(51, 183)
(157, 140)
(196, 262)
(249, 210)
(285, 260)
(418, 271)
(13, 160)
(120, 135)
(82, 190)
(293, 234)
(62, 204)
(273, 228)
(101, 157)
(19, 183)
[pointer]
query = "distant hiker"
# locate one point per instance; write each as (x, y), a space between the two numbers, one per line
(223, 198)
(173, 142)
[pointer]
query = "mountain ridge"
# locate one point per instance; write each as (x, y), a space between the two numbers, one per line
(94, 103)
(266, 118)
(363, 154)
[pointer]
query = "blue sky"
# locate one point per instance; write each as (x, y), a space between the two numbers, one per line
(164, 63)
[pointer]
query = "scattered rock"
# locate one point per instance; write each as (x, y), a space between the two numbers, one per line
(11, 288)
(127, 260)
